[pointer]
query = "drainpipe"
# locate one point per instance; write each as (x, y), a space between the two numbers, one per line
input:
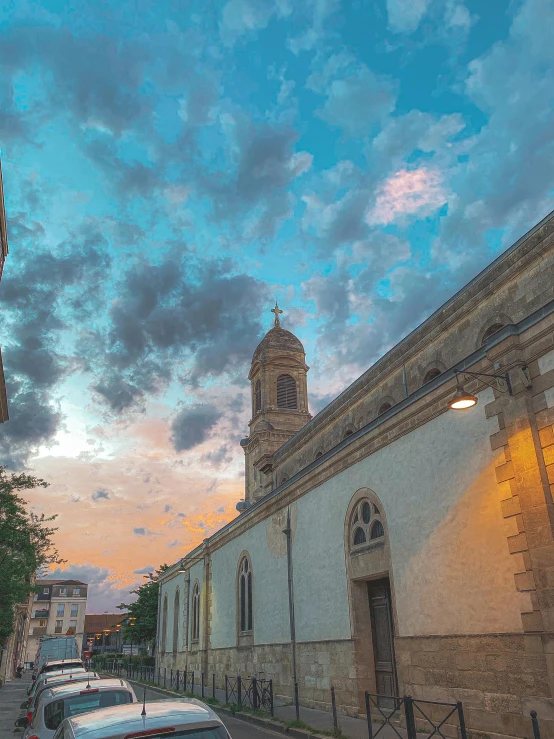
(287, 531)
(404, 380)
(187, 608)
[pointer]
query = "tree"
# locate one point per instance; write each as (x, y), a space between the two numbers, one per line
(25, 545)
(144, 610)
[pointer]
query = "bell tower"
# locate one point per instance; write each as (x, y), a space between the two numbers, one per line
(278, 378)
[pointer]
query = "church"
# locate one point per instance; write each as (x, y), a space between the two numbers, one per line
(405, 532)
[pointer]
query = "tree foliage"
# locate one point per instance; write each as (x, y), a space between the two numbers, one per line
(25, 545)
(144, 610)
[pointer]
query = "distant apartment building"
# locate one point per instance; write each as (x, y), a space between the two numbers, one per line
(3, 255)
(58, 609)
(103, 632)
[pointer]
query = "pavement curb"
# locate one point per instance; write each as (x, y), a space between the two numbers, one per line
(263, 723)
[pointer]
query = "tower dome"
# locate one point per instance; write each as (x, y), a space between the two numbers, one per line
(277, 338)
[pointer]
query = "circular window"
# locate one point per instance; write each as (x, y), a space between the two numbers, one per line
(367, 525)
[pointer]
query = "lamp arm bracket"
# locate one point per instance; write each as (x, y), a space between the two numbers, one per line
(497, 382)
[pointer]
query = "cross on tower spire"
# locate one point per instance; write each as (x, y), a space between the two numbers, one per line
(277, 311)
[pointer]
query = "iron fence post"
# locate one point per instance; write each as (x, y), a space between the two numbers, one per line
(296, 703)
(410, 720)
(271, 696)
(255, 692)
(213, 684)
(178, 676)
(202, 685)
(239, 688)
(171, 678)
(159, 668)
(192, 682)
(462, 721)
(334, 709)
(368, 716)
(226, 691)
(165, 676)
(185, 681)
(534, 721)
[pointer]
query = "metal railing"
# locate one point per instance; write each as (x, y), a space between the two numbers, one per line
(429, 717)
(251, 692)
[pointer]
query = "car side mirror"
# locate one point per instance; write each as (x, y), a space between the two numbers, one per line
(24, 704)
(23, 721)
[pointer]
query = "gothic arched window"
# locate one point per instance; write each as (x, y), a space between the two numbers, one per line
(366, 524)
(286, 392)
(490, 331)
(245, 595)
(164, 625)
(195, 612)
(176, 620)
(257, 397)
(431, 374)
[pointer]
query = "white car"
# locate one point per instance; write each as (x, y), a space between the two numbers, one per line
(165, 719)
(72, 699)
(44, 675)
(51, 680)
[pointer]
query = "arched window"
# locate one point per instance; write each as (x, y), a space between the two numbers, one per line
(164, 625)
(195, 612)
(366, 524)
(490, 331)
(257, 397)
(319, 454)
(348, 433)
(431, 374)
(385, 407)
(286, 392)
(245, 595)
(176, 620)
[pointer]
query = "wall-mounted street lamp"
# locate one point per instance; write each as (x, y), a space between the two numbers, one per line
(463, 400)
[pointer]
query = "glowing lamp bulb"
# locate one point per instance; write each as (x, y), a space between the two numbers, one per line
(462, 400)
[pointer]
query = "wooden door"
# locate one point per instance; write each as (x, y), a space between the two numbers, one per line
(383, 633)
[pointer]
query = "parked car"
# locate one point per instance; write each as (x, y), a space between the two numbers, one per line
(165, 719)
(59, 664)
(32, 702)
(45, 675)
(71, 699)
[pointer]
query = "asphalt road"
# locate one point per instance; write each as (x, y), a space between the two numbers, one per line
(238, 729)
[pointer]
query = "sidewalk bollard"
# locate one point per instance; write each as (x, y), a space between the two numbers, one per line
(534, 721)
(334, 709)
(213, 684)
(296, 703)
(368, 716)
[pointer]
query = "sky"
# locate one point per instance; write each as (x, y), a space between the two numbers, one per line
(170, 169)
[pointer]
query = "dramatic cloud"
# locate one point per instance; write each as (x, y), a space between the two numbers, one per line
(405, 15)
(191, 426)
(144, 570)
(419, 191)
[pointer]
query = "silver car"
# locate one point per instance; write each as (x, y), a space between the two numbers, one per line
(72, 699)
(165, 719)
(51, 680)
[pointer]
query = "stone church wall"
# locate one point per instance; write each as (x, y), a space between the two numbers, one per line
(467, 502)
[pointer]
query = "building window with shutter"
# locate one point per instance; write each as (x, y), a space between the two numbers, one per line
(60, 610)
(59, 626)
(286, 392)
(74, 609)
(257, 397)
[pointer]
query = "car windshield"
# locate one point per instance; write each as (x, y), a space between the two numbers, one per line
(209, 732)
(90, 700)
(65, 665)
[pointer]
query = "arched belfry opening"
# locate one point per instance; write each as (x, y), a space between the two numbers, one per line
(278, 377)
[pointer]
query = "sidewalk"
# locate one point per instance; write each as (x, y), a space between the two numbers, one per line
(353, 728)
(12, 694)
